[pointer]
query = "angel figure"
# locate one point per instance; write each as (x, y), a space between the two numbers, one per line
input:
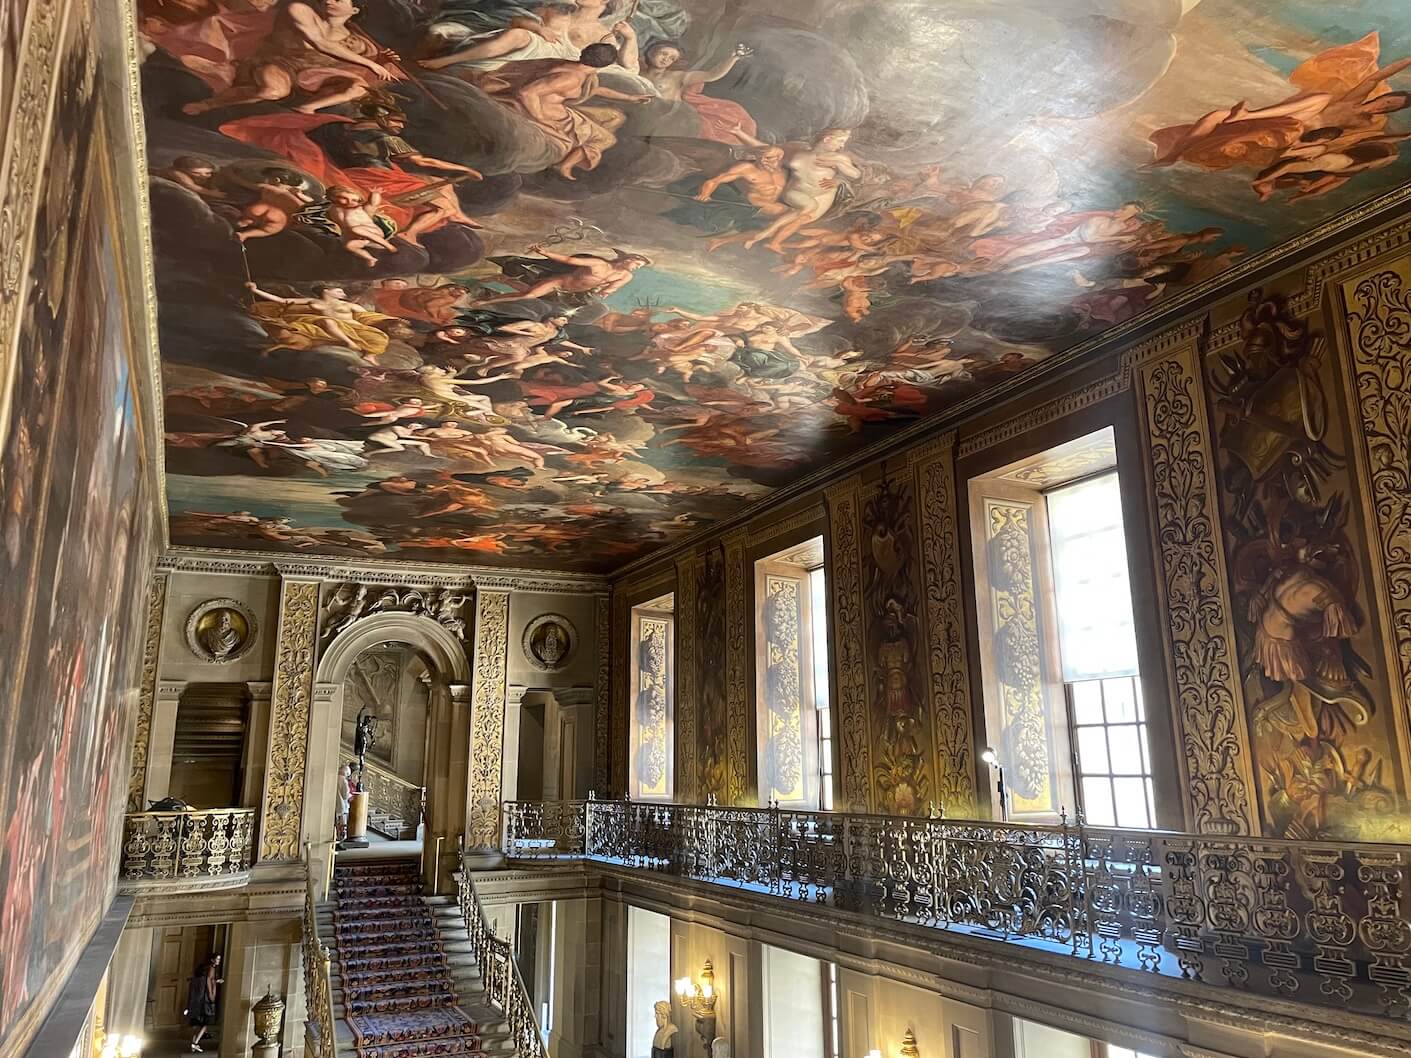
(722, 120)
(1342, 93)
(330, 317)
(346, 607)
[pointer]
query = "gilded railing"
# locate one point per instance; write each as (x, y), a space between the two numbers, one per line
(320, 1034)
(206, 848)
(1322, 922)
(504, 988)
(388, 792)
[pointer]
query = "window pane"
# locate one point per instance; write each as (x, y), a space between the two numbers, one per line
(1126, 750)
(1097, 802)
(1121, 702)
(1095, 631)
(1092, 750)
(1131, 802)
(1087, 702)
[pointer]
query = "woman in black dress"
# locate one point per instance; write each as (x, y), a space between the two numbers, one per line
(201, 999)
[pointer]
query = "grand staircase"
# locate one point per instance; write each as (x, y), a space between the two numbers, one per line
(404, 981)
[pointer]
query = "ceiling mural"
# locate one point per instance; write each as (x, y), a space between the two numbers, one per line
(556, 283)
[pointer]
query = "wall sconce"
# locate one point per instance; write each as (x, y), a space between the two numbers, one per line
(908, 1045)
(991, 758)
(699, 998)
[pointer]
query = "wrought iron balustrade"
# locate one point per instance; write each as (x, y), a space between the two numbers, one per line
(207, 849)
(504, 987)
(320, 1030)
(1320, 922)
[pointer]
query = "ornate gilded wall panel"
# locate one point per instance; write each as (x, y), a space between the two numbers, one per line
(1203, 655)
(603, 702)
(147, 689)
(1379, 347)
(289, 721)
(740, 789)
(949, 670)
(783, 752)
(855, 756)
(903, 758)
(687, 709)
(487, 722)
(1011, 563)
(651, 734)
(617, 732)
(1321, 715)
(712, 776)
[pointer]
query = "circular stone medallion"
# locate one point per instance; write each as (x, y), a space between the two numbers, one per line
(549, 640)
(220, 630)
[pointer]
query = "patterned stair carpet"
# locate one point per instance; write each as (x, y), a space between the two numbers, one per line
(397, 988)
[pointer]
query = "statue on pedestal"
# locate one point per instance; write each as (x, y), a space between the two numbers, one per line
(364, 738)
(664, 1041)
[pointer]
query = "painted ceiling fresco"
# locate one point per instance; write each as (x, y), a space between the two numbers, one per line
(554, 283)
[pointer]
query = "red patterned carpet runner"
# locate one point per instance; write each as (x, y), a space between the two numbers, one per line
(397, 988)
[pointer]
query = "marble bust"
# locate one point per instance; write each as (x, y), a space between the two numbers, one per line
(220, 630)
(221, 637)
(664, 1040)
(720, 1047)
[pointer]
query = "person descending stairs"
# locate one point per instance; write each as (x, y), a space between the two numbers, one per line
(398, 992)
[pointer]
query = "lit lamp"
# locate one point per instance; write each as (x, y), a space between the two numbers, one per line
(698, 997)
(908, 1045)
(115, 1046)
(991, 758)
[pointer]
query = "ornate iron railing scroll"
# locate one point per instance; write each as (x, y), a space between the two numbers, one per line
(201, 847)
(499, 973)
(1322, 922)
(320, 1035)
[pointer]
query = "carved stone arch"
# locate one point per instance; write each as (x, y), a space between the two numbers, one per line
(445, 657)
(441, 649)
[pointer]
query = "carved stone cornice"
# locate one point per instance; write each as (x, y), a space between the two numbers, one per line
(1059, 407)
(390, 574)
(764, 530)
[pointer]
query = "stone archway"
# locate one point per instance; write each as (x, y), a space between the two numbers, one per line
(449, 714)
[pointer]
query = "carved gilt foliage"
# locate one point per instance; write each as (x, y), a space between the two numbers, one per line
(737, 642)
(289, 721)
(687, 729)
(602, 706)
(945, 633)
(851, 703)
(1379, 331)
(783, 779)
(142, 733)
(487, 733)
(1209, 705)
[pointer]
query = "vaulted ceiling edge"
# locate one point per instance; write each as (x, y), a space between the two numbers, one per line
(570, 284)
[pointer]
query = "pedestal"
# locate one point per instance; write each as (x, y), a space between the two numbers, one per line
(357, 822)
(265, 1050)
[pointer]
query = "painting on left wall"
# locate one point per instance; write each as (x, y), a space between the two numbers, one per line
(78, 541)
